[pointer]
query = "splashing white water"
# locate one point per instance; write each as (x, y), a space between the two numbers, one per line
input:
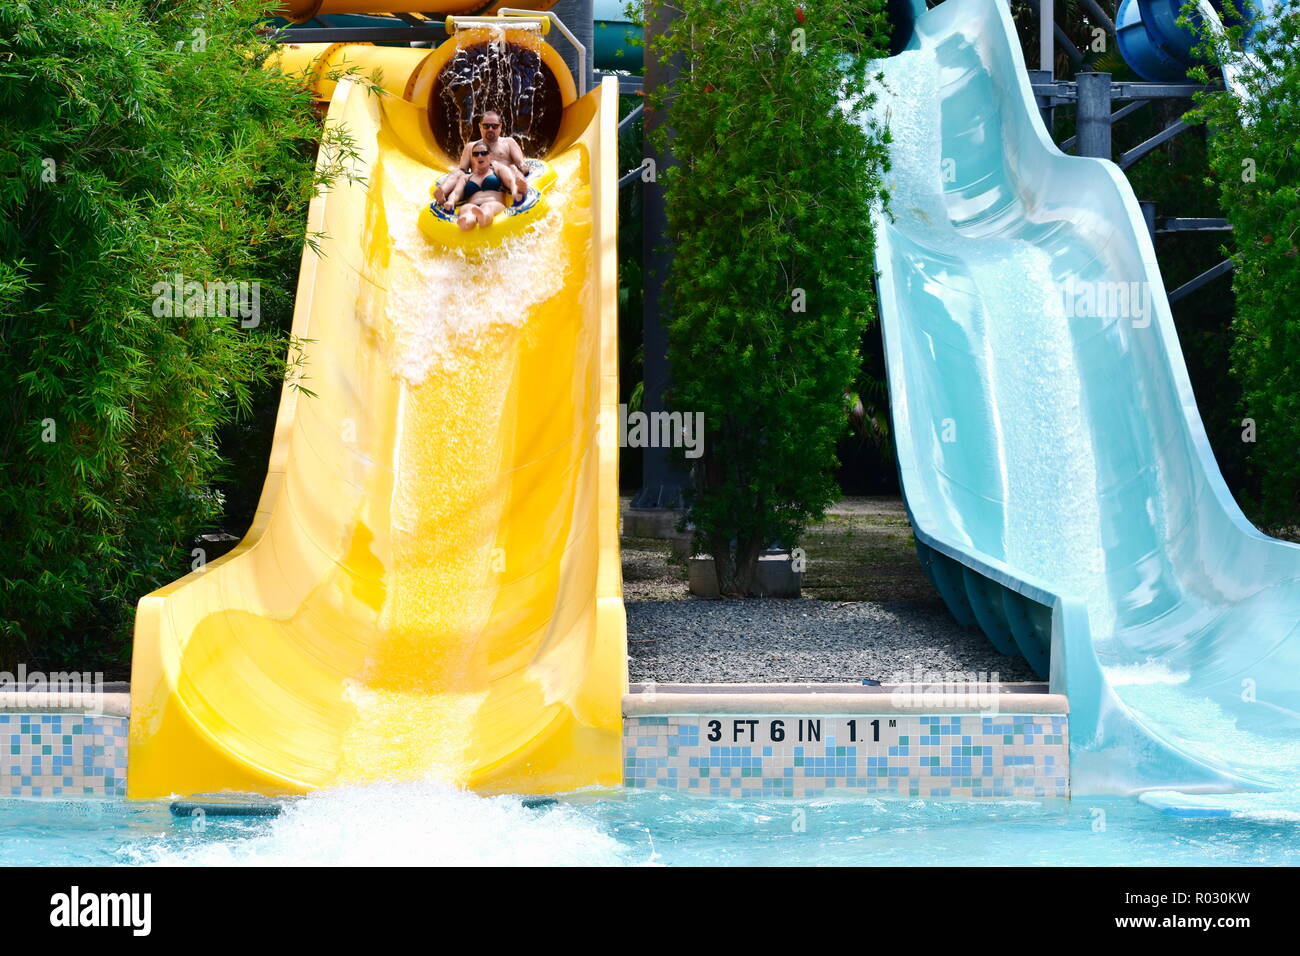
(443, 304)
(406, 824)
(1151, 672)
(1278, 809)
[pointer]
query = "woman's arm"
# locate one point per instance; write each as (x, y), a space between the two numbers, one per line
(454, 196)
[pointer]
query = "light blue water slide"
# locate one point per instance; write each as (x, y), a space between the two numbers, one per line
(1057, 474)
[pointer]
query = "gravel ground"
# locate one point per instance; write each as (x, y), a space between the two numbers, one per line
(804, 641)
(651, 574)
(868, 612)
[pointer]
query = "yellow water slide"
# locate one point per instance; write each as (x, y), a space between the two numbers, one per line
(431, 586)
(302, 10)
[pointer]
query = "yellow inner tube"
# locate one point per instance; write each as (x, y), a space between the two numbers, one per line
(438, 224)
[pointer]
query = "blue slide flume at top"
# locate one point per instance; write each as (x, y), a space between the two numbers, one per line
(1058, 476)
(1159, 47)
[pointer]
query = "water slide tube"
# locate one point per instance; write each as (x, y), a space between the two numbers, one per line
(1160, 50)
(301, 10)
(617, 40)
(431, 585)
(1057, 474)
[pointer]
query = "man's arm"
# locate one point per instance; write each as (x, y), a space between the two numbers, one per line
(517, 156)
(513, 182)
(464, 156)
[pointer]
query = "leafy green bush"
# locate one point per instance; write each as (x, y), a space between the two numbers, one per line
(138, 141)
(771, 284)
(1173, 176)
(1255, 164)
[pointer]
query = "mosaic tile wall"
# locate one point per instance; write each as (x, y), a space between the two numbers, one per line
(969, 755)
(62, 755)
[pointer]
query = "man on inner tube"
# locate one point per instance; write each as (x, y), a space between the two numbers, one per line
(504, 150)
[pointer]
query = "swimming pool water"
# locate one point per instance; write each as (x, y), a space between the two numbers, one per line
(428, 823)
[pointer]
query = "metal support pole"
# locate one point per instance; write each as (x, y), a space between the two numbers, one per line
(1059, 38)
(1178, 224)
(1045, 109)
(1149, 214)
(576, 15)
(1099, 15)
(1047, 35)
(1094, 114)
(1162, 137)
(661, 481)
(1209, 275)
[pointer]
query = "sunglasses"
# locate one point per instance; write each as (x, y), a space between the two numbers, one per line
(480, 153)
(489, 125)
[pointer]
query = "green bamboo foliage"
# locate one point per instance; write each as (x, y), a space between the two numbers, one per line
(139, 142)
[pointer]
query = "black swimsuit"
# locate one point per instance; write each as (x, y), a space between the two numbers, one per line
(491, 183)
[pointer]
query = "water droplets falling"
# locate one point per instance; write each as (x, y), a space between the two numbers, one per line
(508, 76)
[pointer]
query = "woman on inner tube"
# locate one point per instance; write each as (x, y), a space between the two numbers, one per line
(482, 194)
